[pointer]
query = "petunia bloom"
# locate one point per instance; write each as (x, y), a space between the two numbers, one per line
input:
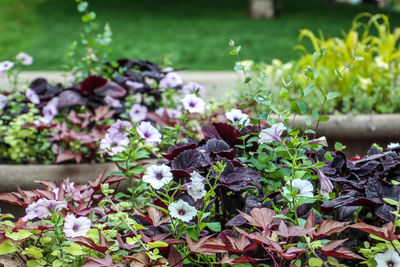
(236, 115)
(112, 102)
(388, 259)
(74, 226)
(304, 188)
(3, 101)
(134, 85)
(43, 208)
(158, 176)
(113, 143)
(120, 127)
(50, 110)
(194, 88)
(172, 113)
(6, 66)
(182, 210)
(25, 58)
(138, 112)
(393, 146)
(150, 134)
(193, 104)
(32, 96)
(272, 134)
(326, 184)
(196, 188)
(171, 80)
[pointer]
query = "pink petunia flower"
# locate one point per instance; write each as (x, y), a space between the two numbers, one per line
(74, 226)
(193, 104)
(171, 80)
(112, 102)
(32, 96)
(138, 112)
(25, 58)
(150, 134)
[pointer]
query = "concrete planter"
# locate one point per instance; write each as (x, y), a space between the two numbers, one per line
(358, 132)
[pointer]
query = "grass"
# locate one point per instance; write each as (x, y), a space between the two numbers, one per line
(193, 34)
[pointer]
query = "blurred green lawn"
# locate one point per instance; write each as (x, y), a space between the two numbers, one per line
(193, 33)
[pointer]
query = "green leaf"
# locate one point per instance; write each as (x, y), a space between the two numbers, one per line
(33, 263)
(34, 252)
(248, 79)
(82, 6)
(214, 226)
(315, 262)
(19, 235)
(238, 67)
(332, 95)
(7, 247)
(298, 107)
(299, 174)
(57, 263)
(76, 250)
(233, 52)
(338, 146)
(283, 93)
(309, 89)
(308, 121)
(88, 17)
(332, 261)
(325, 118)
(315, 115)
(338, 74)
(192, 233)
(157, 244)
(391, 201)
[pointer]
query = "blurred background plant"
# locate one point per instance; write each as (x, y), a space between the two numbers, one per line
(362, 67)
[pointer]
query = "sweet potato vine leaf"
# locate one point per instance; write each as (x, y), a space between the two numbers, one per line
(331, 249)
(98, 262)
(141, 259)
(386, 232)
(260, 217)
(325, 228)
(174, 258)
(292, 231)
(154, 216)
(200, 247)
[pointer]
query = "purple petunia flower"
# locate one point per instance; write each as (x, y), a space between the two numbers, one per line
(74, 226)
(134, 85)
(32, 96)
(171, 80)
(50, 110)
(6, 66)
(43, 208)
(194, 88)
(113, 143)
(112, 102)
(193, 104)
(3, 101)
(138, 112)
(25, 58)
(120, 127)
(150, 134)
(172, 113)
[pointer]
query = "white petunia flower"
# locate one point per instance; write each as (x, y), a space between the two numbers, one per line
(196, 188)
(158, 176)
(182, 210)
(74, 227)
(113, 143)
(272, 134)
(171, 80)
(304, 188)
(388, 259)
(134, 85)
(194, 88)
(193, 104)
(138, 112)
(150, 134)
(6, 66)
(3, 101)
(25, 58)
(112, 102)
(393, 146)
(236, 115)
(32, 96)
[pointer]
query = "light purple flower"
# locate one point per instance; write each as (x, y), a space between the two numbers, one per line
(113, 143)
(138, 112)
(50, 110)
(6, 66)
(172, 113)
(74, 226)
(25, 58)
(43, 208)
(112, 102)
(171, 80)
(150, 134)
(3, 101)
(237, 116)
(158, 176)
(319, 141)
(194, 88)
(196, 188)
(326, 184)
(193, 104)
(134, 85)
(32, 96)
(120, 127)
(272, 134)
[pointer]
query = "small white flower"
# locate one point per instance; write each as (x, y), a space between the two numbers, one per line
(388, 259)
(271, 134)
(112, 102)
(171, 80)
(236, 115)
(74, 227)
(6, 66)
(138, 112)
(304, 188)
(172, 113)
(393, 146)
(134, 85)
(194, 88)
(319, 141)
(182, 210)
(32, 96)
(25, 58)
(50, 110)
(3, 101)
(326, 184)
(158, 176)
(193, 104)
(150, 134)
(196, 188)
